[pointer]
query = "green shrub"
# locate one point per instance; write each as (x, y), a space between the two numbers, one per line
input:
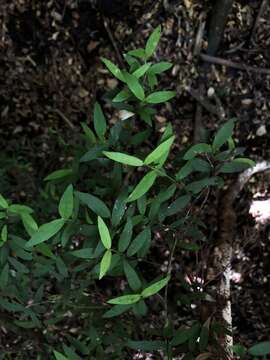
(90, 283)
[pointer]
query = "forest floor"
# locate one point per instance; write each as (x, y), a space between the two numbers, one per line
(51, 75)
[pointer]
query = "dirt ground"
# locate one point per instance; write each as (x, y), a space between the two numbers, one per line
(50, 76)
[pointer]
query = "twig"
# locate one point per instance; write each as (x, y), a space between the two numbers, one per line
(204, 102)
(229, 63)
(261, 11)
(111, 37)
(66, 120)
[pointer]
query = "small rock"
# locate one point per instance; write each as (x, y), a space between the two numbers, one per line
(261, 130)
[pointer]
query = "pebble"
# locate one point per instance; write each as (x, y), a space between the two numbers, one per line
(261, 130)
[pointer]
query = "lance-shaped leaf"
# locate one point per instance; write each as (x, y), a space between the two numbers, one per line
(99, 121)
(66, 203)
(197, 149)
(139, 241)
(160, 97)
(152, 42)
(134, 85)
(132, 277)
(125, 300)
(160, 67)
(155, 288)
(144, 185)
(104, 233)
(94, 203)
(3, 202)
(223, 134)
(113, 69)
(159, 151)
(123, 158)
(141, 70)
(45, 232)
(105, 263)
(59, 356)
(59, 174)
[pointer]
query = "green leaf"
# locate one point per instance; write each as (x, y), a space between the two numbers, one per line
(141, 204)
(85, 253)
(88, 133)
(45, 232)
(159, 151)
(93, 154)
(4, 276)
(116, 310)
(236, 165)
(144, 185)
(105, 263)
(134, 86)
(155, 288)
(113, 69)
(104, 233)
(94, 204)
(123, 95)
(139, 241)
(196, 186)
(146, 345)
(66, 203)
(180, 337)
(29, 223)
(3, 202)
(184, 171)
(197, 149)
(152, 42)
(139, 53)
(125, 300)
(260, 349)
(160, 97)
(123, 158)
(125, 236)
(99, 121)
(132, 277)
(160, 67)
(204, 337)
(223, 134)
(59, 356)
(20, 209)
(4, 234)
(178, 205)
(119, 208)
(59, 174)
(239, 350)
(141, 70)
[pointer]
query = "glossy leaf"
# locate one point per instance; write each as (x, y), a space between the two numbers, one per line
(223, 134)
(29, 223)
(197, 149)
(160, 67)
(4, 234)
(178, 205)
(116, 310)
(160, 97)
(159, 151)
(85, 253)
(155, 288)
(140, 53)
(88, 133)
(119, 208)
(125, 236)
(45, 232)
(236, 165)
(59, 174)
(139, 241)
(94, 204)
(144, 185)
(152, 42)
(113, 69)
(123, 95)
(125, 300)
(134, 85)
(66, 203)
(99, 121)
(132, 277)
(104, 233)
(141, 70)
(105, 263)
(123, 158)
